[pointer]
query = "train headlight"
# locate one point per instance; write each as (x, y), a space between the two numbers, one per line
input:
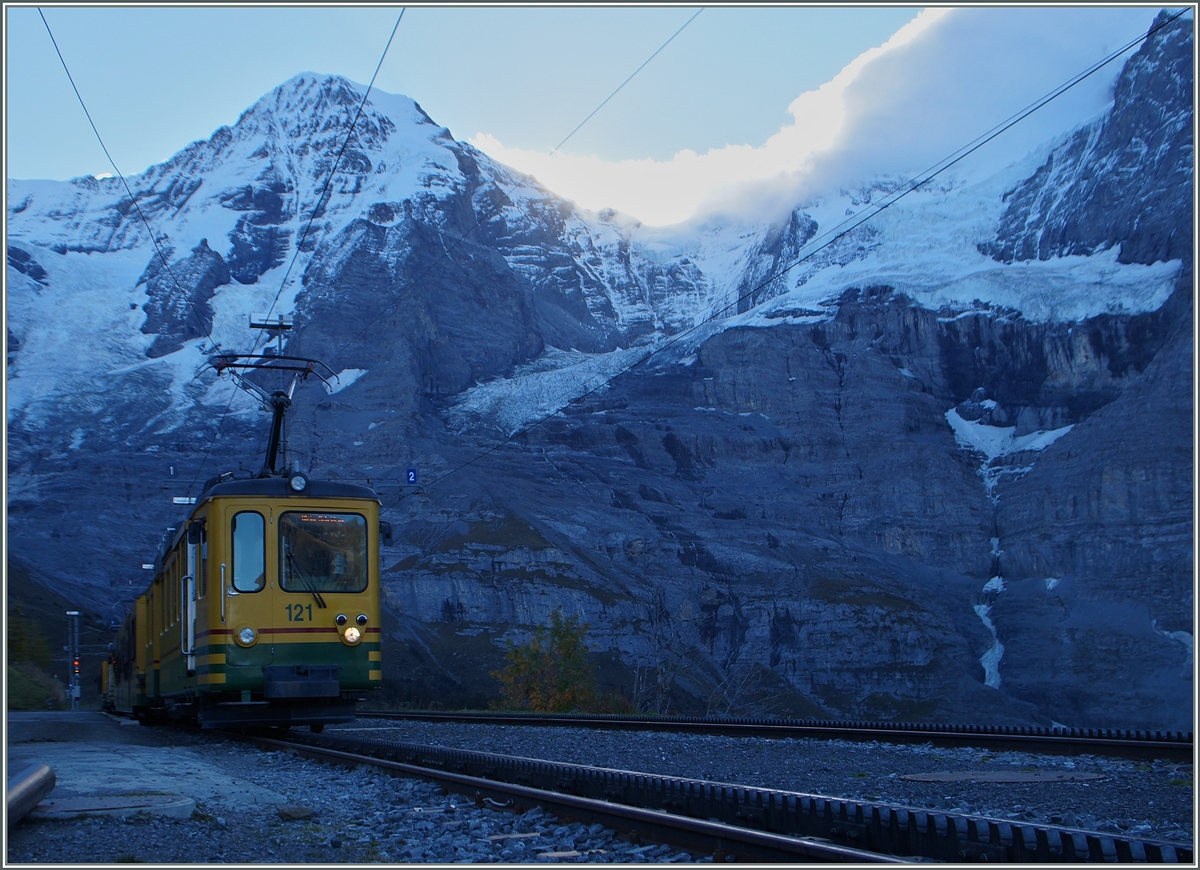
(298, 482)
(341, 619)
(246, 636)
(362, 619)
(351, 635)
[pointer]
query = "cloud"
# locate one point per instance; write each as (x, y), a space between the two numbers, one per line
(914, 105)
(936, 84)
(666, 192)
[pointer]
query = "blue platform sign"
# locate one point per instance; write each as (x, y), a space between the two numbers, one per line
(412, 475)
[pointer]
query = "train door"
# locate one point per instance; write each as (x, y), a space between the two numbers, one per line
(248, 590)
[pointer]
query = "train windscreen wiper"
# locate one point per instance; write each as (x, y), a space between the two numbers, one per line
(306, 582)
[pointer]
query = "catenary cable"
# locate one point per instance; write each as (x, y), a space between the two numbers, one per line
(121, 175)
(624, 83)
(835, 234)
(504, 197)
(332, 172)
(300, 243)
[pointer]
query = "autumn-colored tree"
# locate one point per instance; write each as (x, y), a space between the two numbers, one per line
(550, 672)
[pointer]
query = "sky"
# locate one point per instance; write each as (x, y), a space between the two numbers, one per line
(743, 102)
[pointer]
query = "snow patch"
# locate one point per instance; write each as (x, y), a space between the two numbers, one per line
(1051, 582)
(344, 378)
(926, 248)
(995, 442)
(990, 660)
(996, 584)
(1183, 637)
(540, 388)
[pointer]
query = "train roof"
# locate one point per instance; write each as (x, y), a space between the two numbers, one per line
(265, 487)
(278, 487)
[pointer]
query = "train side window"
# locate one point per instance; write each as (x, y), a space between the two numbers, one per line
(249, 552)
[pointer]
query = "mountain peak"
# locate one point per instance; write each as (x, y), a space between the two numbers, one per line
(308, 95)
(323, 89)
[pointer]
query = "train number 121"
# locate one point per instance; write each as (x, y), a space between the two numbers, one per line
(296, 612)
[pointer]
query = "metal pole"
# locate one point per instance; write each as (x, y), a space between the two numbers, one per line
(67, 650)
(73, 662)
(26, 790)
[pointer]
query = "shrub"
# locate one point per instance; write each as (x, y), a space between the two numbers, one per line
(550, 672)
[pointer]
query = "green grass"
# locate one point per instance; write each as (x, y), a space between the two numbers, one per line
(31, 688)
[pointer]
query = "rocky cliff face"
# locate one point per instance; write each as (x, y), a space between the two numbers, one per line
(1118, 181)
(955, 491)
(801, 487)
(180, 303)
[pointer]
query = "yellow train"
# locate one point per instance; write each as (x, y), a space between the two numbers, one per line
(264, 609)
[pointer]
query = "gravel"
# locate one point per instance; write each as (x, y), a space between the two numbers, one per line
(334, 814)
(1149, 799)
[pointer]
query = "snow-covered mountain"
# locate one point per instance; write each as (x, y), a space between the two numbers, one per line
(919, 450)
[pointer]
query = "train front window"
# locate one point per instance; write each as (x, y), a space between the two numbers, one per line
(249, 552)
(323, 552)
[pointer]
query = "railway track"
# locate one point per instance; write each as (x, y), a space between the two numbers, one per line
(734, 822)
(1166, 745)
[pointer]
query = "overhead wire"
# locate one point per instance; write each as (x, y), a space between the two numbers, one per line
(300, 243)
(505, 196)
(924, 177)
(835, 234)
(333, 171)
(624, 83)
(121, 175)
